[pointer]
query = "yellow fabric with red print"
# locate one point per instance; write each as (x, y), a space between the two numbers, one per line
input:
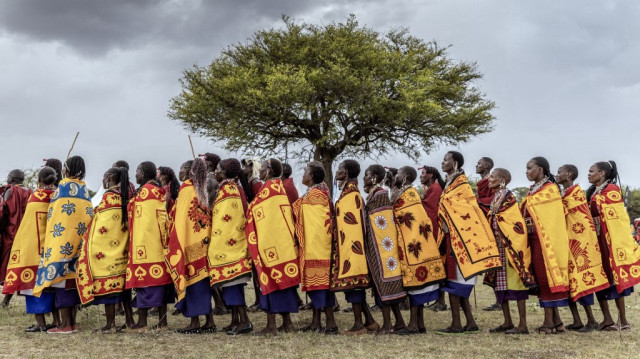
(270, 237)
(472, 240)
(614, 227)
(545, 208)
(189, 239)
(228, 253)
(28, 244)
(417, 248)
(147, 238)
(102, 265)
(586, 274)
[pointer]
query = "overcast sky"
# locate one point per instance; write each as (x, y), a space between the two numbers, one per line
(564, 74)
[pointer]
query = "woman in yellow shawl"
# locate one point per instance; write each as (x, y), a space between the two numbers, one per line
(620, 252)
(511, 280)
(186, 254)
(270, 236)
(102, 265)
(312, 213)
(544, 215)
(349, 271)
(586, 275)
(69, 215)
(418, 255)
(147, 271)
(27, 249)
(229, 261)
(465, 239)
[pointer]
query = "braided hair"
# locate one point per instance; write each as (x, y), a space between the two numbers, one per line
(435, 174)
(121, 163)
(75, 167)
(172, 180)
(57, 166)
(120, 176)
(198, 174)
(611, 175)
(148, 170)
(544, 164)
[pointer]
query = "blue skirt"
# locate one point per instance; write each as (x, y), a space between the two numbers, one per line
(197, 300)
(554, 303)
(322, 298)
(42, 305)
(156, 296)
(422, 298)
(234, 295)
(66, 298)
(586, 300)
(355, 296)
(124, 296)
(611, 293)
(280, 301)
(502, 295)
(461, 290)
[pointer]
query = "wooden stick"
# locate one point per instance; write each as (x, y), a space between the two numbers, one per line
(191, 144)
(73, 144)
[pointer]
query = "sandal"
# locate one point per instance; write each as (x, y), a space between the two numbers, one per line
(471, 330)
(406, 331)
(332, 331)
(546, 330)
(609, 328)
(587, 328)
(559, 329)
(204, 330)
(500, 329)
(517, 331)
(573, 326)
(450, 331)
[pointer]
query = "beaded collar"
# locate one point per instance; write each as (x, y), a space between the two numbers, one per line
(536, 186)
(451, 177)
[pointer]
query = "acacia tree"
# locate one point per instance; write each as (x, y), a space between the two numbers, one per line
(333, 91)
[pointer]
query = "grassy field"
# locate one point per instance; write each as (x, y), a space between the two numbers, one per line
(16, 343)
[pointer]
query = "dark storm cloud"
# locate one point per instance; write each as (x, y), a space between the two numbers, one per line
(95, 27)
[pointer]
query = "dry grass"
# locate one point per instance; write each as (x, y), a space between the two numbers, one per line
(16, 343)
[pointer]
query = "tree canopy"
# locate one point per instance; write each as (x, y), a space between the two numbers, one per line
(333, 91)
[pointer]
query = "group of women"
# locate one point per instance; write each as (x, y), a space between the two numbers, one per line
(220, 223)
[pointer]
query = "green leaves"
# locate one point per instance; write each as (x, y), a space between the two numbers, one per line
(338, 89)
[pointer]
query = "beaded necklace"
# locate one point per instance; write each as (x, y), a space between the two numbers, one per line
(497, 201)
(451, 177)
(601, 187)
(536, 186)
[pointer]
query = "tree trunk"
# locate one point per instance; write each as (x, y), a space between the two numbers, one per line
(327, 161)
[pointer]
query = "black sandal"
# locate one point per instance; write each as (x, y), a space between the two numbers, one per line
(208, 330)
(546, 330)
(500, 329)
